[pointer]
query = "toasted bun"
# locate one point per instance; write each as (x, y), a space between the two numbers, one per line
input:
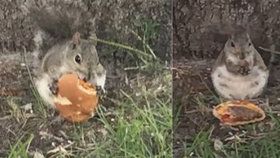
(76, 100)
(238, 112)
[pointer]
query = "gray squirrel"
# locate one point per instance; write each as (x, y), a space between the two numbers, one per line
(239, 71)
(61, 49)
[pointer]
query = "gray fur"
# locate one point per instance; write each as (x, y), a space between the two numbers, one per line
(65, 48)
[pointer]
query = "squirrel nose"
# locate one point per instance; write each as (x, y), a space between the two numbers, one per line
(242, 56)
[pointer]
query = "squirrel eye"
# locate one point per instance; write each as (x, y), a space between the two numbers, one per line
(232, 44)
(250, 44)
(78, 59)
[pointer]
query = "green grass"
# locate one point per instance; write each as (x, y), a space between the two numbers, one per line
(20, 148)
(258, 140)
(139, 123)
(267, 145)
(142, 128)
(201, 146)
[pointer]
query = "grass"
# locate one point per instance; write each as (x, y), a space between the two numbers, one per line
(135, 122)
(20, 149)
(202, 145)
(140, 126)
(259, 140)
(140, 130)
(198, 133)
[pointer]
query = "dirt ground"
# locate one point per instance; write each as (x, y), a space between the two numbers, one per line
(17, 122)
(16, 93)
(200, 30)
(195, 97)
(114, 20)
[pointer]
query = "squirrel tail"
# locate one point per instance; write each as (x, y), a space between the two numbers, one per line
(62, 21)
(58, 22)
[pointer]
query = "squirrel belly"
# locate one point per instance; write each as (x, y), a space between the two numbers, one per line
(233, 86)
(239, 71)
(42, 85)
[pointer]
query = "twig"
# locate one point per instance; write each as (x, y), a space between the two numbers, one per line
(49, 136)
(27, 67)
(121, 46)
(149, 48)
(191, 111)
(269, 50)
(29, 142)
(198, 110)
(134, 68)
(5, 117)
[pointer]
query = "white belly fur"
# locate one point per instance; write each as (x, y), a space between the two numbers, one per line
(42, 85)
(239, 87)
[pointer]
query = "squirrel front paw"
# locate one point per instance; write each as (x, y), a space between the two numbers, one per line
(54, 87)
(244, 70)
(100, 90)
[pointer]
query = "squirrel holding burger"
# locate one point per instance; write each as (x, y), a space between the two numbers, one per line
(64, 49)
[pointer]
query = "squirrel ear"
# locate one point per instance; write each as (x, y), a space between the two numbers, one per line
(248, 36)
(76, 39)
(229, 36)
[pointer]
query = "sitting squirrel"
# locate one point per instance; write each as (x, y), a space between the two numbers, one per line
(69, 53)
(239, 71)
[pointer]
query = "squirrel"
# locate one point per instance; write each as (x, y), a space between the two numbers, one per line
(239, 71)
(64, 51)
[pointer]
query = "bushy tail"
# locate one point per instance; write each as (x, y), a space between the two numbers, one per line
(58, 21)
(63, 22)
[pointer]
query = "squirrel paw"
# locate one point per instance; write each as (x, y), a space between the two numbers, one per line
(54, 87)
(244, 70)
(99, 90)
